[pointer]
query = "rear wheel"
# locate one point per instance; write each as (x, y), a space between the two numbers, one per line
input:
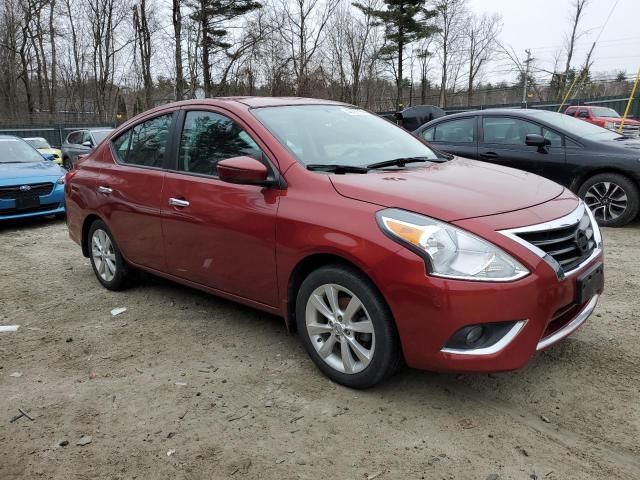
(107, 262)
(613, 199)
(346, 327)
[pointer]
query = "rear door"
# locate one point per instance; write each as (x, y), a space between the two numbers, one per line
(131, 190)
(502, 141)
(457, 136)
(219, 234)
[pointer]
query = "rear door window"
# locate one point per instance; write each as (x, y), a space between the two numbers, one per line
(455, 131)
(145, 144)
(583, 113)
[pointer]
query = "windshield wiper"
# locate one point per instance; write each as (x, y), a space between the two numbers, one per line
(400, 162)
(328, 167)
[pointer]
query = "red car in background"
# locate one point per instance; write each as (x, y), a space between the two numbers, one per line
(605, 117)
(375, 248)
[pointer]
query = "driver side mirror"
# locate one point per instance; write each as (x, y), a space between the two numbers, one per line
(243, 170)
(535, 140)
(48, 156)
(87, 144)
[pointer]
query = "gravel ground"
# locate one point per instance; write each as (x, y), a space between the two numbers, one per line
(184, 385)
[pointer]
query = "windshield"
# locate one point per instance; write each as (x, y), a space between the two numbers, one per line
(604, 112)
(577, 127)
(99, 135)
(13, 150)
(339, 135)
(37, 142)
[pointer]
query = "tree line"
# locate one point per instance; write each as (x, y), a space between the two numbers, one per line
(119, 57)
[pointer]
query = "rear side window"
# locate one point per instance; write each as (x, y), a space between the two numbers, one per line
(455, 131)
(583, 113)
(428, 134)
(145, 144)
(570, 111)
(208, 138)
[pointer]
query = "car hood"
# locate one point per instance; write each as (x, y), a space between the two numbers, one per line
(31, 172)
(628, 121)
(454, 190)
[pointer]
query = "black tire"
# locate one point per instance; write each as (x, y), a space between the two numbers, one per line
(123, 274)
(66, 164)
(386, 358)
(627, 186)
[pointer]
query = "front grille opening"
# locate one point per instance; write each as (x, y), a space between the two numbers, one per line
(35, 189)
(569, 246)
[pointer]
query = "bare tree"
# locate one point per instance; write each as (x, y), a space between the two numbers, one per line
(303, 28)
(176, 15)
(571, 39)
(482, 34)
(451, 21)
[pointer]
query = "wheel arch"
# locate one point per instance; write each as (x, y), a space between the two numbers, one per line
(309, 264)
(581, 179)
(86, 225)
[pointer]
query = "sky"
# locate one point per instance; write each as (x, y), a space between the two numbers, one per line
(542, 26)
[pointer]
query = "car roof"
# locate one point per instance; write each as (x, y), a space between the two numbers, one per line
(10, 137)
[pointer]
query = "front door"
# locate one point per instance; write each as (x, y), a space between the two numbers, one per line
(219, 234)
(503, 142)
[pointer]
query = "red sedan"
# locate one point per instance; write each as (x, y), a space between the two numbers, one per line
(376, 249)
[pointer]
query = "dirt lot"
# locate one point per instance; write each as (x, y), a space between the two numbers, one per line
(230, 394)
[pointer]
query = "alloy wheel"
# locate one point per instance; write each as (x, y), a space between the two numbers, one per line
(103, 255)
(607, 200)
(340, 328)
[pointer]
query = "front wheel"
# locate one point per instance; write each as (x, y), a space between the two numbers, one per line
(613, 199)
(346, 327)
(107, 262)
(66, 164)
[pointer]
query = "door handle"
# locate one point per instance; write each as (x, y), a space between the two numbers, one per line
(105, 190)
(176, 202)
(488, 155)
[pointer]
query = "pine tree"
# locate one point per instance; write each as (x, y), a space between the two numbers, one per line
(213, 17)
(405, 21)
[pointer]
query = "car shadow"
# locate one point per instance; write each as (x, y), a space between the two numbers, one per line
(30, 223)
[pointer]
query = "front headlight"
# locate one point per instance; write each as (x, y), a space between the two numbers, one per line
(450, 251)
(60, 181)
(609, 125)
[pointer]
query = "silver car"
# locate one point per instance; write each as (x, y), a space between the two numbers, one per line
(81, 142)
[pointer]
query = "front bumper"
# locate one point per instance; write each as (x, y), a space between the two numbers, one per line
(429, 310)
(50, 204)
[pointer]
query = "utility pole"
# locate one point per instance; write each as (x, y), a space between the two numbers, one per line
(526, 77)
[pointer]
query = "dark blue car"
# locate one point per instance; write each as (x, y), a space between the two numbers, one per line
(30, 183)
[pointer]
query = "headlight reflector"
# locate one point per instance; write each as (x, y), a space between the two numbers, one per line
(450, 251)
(60, 181)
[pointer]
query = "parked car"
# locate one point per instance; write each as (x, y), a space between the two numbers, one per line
(374, 247)
(30, 185)
(43, 146)
(601, 166)
(81, 142)
(605, 117)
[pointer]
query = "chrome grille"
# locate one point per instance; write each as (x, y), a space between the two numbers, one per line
(568, 245)
(17, 191)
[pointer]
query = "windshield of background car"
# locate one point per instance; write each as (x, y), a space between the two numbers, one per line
(99, 135)
(18, 151)
(604, 112)
(577, 127)
(38, 143)
(339, 135)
